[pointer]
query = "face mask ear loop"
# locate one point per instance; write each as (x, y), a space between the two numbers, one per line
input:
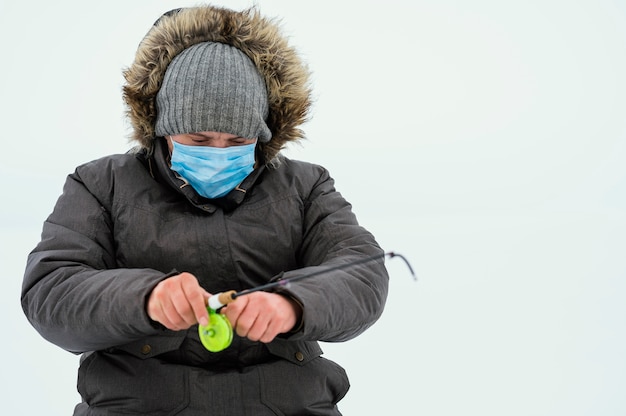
(170, 146)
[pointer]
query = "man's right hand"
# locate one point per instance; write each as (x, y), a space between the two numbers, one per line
(178, 302)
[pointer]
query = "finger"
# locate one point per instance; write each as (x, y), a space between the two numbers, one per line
(239, 314)
(189, 301)
(180, 313)
(196, 297)
(255, 318)
(176, 312)
(233, 310)
(271, 331)
(158, 304)
(169, 316)
(155, 311)
(258, 327)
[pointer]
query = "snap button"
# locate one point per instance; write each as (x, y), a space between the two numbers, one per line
(299, 356)
(145, 350)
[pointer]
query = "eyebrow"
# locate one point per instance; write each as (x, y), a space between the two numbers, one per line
(204, 136)
(210, 136)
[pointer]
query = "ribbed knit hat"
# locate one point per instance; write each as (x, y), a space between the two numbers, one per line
(212, 86)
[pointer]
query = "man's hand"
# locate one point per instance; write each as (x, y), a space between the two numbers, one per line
(261, 316)
(178, 302)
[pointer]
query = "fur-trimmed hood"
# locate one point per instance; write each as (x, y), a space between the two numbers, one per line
(286, 76)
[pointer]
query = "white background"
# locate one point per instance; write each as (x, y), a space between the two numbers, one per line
(484, 140)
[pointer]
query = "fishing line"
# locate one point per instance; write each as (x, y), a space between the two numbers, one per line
(218, 333)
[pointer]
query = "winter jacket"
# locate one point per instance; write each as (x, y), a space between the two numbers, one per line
(126, 222)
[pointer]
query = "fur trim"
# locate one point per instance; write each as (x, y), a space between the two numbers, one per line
(286, 77)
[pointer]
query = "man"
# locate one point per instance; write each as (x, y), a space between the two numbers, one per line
(138, 242)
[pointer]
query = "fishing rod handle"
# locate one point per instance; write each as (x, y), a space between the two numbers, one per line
(221, 299)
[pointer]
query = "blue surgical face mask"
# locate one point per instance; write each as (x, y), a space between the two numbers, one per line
(213, 171)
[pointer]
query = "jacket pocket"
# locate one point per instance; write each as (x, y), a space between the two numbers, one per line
(297, 352)
(121, 383)
(153, 346)
(312, 386)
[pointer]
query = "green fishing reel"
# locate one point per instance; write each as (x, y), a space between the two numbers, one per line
(217, 334)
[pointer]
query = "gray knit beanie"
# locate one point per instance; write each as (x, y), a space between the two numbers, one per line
(213, 87)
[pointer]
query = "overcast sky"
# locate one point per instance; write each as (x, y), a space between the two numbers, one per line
(484, 140)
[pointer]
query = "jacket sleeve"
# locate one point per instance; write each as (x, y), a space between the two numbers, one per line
(341, 304)
(72, 292)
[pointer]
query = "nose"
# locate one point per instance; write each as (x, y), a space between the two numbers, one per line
(220, 140)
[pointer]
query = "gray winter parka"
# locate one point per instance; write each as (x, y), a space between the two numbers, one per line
(126, 222)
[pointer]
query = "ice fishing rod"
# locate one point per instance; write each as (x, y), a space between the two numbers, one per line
(218, 333)
(222, 299)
